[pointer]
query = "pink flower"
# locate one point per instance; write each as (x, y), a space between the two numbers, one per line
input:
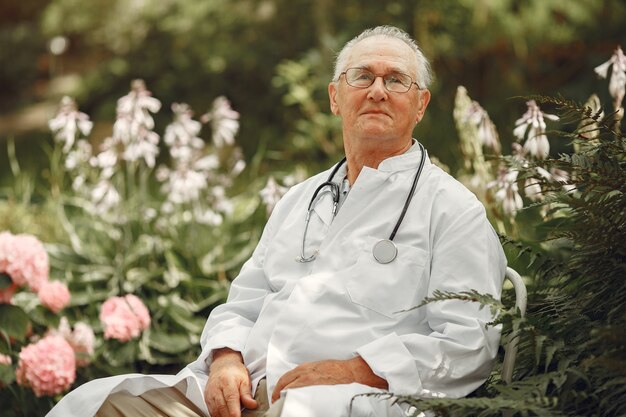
(47, 366)
(82, 340)
(55, 295)
(124, 318)
(5, 359)
(24, 259)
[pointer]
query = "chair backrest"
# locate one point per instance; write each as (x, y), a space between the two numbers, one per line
(521, 298)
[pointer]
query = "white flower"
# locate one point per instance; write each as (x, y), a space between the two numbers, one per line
(105, 160)
(82, 339)
(68, 123)
(588, 127)
(78, 183)
(207, 216)
(183, 131)
(617, 82)
(238, 168)
(149, 214)
(134, 124)
(562, 177)
(104, 197)
(80, 155)
(533, 127)
(272, 193)
(184, 186)
(224, 122)
(138, 104)
(146, 146)
(507, 192)
(207, 163)
(532, 189)
(486, 129)
(221, 202)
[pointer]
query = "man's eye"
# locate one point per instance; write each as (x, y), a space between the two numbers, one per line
(397, 79)
(364, 76)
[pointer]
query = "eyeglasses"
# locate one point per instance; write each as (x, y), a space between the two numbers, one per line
(395, 82)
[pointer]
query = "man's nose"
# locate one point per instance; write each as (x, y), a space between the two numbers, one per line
(377, 91)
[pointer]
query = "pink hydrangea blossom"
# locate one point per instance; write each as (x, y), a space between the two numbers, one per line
(24, 259)
(124, 318)
(55, 295)
(82, 340)
(47, 366)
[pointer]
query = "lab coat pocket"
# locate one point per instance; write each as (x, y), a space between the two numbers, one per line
(388, 289)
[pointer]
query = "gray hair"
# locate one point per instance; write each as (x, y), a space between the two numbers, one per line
(424, 75)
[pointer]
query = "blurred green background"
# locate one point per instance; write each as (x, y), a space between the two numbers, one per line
(273, 60)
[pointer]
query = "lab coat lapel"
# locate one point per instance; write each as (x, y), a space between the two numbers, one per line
(324, 206)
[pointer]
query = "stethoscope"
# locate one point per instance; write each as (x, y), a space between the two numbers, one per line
(385, 250)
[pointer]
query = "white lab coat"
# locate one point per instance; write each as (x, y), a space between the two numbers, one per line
(281, 313)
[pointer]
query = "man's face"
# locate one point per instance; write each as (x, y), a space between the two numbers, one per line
(374, 113)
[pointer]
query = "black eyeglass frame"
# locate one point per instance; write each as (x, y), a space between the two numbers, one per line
(381, 76)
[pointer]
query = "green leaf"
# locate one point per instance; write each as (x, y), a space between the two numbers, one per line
(13, 321)
(7, 374)
(45, 317)
(88, 297)
(5, 281)
(169, 342)
(120, 353)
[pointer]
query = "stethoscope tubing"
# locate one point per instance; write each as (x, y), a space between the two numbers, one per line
(334, 190)
(409, 197)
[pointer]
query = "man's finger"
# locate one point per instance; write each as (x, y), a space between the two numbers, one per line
(283, 382)
(245, 393)
(232, 402)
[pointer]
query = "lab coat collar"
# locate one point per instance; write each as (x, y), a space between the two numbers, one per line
(408, 160)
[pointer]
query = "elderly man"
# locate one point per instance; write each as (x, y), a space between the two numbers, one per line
(323, 310)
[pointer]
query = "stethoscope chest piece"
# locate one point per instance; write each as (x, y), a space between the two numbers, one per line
(385, 251)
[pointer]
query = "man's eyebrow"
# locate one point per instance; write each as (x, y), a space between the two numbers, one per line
(392, 70)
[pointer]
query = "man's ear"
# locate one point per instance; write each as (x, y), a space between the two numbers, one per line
(332, 95)
(423, 101)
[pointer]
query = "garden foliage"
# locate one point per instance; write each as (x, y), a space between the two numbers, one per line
(147, 246)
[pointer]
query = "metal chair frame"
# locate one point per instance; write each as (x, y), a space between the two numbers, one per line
(521, 299)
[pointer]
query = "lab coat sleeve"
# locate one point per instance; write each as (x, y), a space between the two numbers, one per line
(457, 356)
(229, 324)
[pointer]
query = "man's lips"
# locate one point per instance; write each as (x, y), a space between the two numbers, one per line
(375, 112)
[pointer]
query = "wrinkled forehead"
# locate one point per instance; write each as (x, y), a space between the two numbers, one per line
(383, 53)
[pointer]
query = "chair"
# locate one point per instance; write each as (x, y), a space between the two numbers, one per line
(521, 298)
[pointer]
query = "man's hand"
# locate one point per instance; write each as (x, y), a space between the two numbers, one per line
(329, 372)
(229, 385)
